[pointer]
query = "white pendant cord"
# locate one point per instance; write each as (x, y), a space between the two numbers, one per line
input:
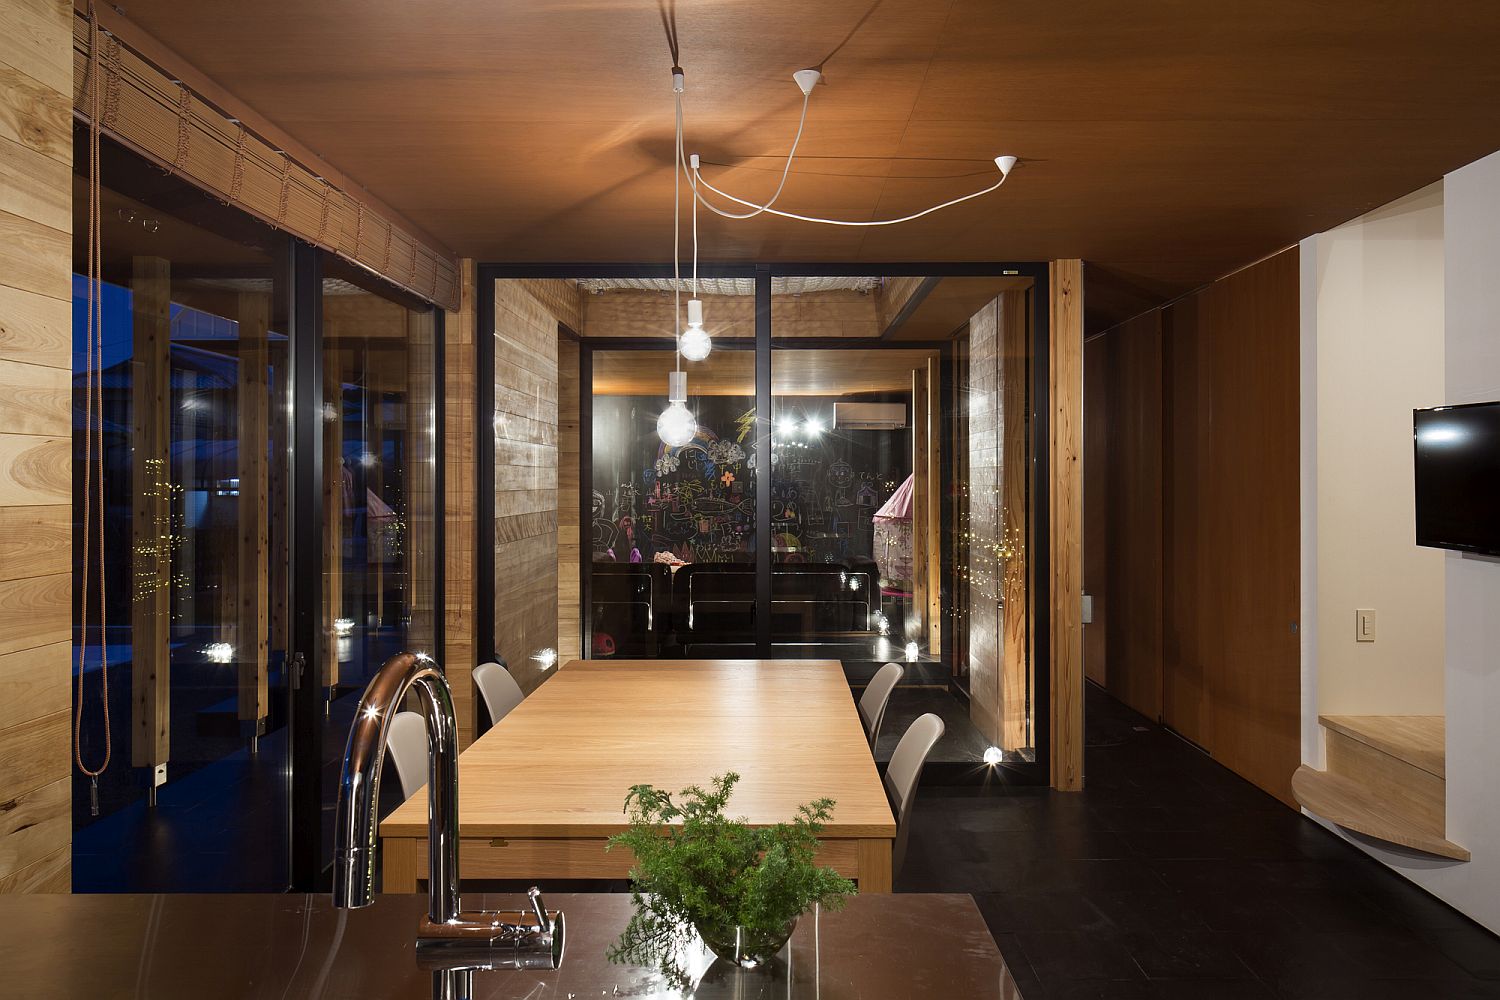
(695, 178)
(676, 239)
(682, 161)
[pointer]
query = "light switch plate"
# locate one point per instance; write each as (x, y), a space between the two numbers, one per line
(1364, 625)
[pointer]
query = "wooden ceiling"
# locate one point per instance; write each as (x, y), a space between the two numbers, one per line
(1165, 143)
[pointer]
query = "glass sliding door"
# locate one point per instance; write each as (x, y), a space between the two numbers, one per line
(673, 535)
(193, 382)
(210, 333)
(379, 476)
(899, 418)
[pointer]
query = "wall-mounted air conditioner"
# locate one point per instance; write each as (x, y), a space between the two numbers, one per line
(869, 416)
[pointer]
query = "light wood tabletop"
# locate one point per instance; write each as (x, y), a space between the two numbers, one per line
(540, 792)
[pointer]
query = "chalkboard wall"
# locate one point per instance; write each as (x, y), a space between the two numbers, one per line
(698, 501)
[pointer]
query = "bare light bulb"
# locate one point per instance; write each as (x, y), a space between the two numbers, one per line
(676, 426)
(695, 344)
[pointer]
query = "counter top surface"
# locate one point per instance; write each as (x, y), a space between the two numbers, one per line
(280, 946)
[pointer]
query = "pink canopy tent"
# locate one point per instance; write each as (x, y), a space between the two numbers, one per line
(893, 534)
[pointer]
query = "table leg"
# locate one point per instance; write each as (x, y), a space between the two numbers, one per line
(398, 865)
(874, 865)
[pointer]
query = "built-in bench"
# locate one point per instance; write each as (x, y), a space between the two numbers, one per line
(1385, 779)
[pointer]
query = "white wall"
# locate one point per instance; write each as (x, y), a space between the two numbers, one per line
(1464, 249)
(1377, 309)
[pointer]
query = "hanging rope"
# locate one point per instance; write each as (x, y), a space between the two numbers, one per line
(323, 217)
(93, 452)
(385, 259)
(111, 81)
(359, 227)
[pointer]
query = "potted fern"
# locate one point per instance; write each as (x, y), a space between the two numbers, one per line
(740, 888)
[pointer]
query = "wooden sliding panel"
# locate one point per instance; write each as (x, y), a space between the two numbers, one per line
(986, 636)
(459, 438)
(524, 436)
(36, 426)
(1013, 380)
(252, 644)
(1123, 519)
(1231, 674)
(421, 542)
(151, 520)
(1066, 584)
(921, 510)
(569, 466)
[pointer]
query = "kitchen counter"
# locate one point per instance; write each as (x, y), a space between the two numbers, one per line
(227, 947)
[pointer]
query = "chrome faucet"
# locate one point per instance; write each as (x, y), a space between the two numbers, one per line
(476, 939)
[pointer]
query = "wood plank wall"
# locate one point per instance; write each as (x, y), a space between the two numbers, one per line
(459, 436)
(525, 489)
(1217, 651)
(569, 593)
(631, 313)
(1123, 511)
(36, 488)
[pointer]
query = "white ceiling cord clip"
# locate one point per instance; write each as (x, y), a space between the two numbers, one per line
(806, 80)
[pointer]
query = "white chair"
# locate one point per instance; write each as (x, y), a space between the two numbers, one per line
(877, 695)
(903, 774)
(498, 691)
(406, 747)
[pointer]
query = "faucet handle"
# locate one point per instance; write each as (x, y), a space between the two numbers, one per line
(538, 907)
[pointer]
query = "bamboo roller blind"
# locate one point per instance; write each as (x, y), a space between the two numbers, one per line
(162, 119)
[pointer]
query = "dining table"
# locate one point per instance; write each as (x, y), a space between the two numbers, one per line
(544, 789)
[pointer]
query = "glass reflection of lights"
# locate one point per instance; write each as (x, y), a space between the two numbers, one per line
(219, 652)
(993, 756)
(343, 626)
(546, 657)
(912, 652)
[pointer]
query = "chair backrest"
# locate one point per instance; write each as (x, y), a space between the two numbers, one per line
(877, 695)
(903, 775)
(406, 747)
(498, 690)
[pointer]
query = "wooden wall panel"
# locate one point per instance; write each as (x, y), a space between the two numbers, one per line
(1123, 511)
(253, 617)
(1231, 674)
(525, 437)
(459, 657)
(569, 594)
(1014, 382)
(1066, 584)
(36, 338)
(631, 313)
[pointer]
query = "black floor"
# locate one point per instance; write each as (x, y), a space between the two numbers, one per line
(1172, 877)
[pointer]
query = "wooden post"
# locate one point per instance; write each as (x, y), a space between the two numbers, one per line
(418, 547)
(1014, 371)
(151, 511)
(1065, 335)
(254, 459)
(459, 437)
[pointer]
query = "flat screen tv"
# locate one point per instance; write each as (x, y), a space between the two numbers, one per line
(1458, 477)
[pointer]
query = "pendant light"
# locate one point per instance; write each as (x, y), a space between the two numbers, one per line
(676, 426)
(695, 341)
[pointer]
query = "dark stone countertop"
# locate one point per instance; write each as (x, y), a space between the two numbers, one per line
(227, 947)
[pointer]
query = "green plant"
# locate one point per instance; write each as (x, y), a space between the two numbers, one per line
(697, 868)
